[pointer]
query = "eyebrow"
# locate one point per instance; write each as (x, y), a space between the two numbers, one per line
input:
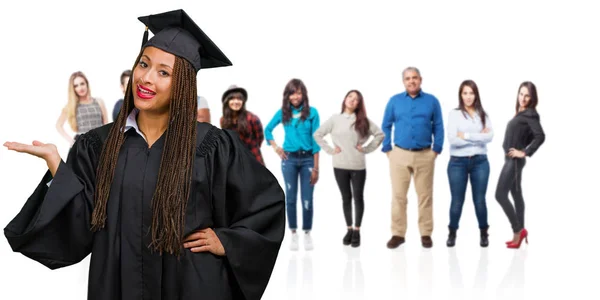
(164, 65)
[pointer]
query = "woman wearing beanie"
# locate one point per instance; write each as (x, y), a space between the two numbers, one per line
(237, 118)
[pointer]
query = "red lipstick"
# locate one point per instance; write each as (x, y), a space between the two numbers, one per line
(144, 92)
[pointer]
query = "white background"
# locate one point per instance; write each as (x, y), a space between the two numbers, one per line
(334, 47)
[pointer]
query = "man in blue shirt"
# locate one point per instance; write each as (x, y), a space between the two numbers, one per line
(417, 140)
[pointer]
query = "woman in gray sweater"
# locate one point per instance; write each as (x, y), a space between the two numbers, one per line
(349, 131)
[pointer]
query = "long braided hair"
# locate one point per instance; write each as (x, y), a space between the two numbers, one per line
(175, 173)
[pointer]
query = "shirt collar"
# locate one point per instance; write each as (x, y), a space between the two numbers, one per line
(419, 94)
(132, 122)
(475, 116)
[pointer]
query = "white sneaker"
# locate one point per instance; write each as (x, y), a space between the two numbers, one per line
(294, 245)
(308, 243)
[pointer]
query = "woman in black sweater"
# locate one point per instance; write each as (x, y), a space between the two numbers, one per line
(524, 135)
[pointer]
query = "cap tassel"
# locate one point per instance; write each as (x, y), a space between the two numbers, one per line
(145, 38)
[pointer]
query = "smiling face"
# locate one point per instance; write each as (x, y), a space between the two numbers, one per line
(412, 82)
(152, 78)
(235, 104)
(524, 97)
(296, 98)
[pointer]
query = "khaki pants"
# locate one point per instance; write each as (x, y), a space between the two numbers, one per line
(404, 164)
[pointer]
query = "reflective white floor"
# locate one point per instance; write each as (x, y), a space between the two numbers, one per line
(411, 272)
(374, 272)
(561, 259)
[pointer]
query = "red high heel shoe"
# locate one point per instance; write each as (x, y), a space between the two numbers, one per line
(522, 235)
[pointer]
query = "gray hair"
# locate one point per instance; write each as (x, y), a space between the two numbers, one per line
(411, 69)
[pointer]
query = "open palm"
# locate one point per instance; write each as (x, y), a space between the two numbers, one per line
(36, 148)
(47, 152)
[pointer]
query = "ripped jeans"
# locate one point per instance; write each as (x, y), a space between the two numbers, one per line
(298, 165)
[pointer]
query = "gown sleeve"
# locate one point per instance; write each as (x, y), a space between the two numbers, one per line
(53, 227)
(249, 213)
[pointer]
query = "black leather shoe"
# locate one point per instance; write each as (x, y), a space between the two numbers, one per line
(426, 241)
(395, 241)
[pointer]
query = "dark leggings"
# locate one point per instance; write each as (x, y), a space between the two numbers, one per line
(352, 183)
(510, 181)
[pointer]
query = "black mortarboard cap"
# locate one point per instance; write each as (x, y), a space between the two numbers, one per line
(175, 32)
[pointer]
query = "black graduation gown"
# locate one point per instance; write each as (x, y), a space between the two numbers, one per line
(231, 192)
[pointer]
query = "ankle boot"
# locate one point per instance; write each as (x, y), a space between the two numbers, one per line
(348, 237)
(484, 238)
(355, 238)
(451, 238)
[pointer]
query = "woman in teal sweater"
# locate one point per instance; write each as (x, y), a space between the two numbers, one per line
(299, 155)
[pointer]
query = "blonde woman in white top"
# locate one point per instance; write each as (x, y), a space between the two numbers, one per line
(349, 131)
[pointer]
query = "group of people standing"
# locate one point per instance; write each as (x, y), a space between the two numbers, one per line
(418, 139)
(411, 134)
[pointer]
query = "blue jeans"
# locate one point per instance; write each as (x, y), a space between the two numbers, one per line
(298, 164)
(460, 170)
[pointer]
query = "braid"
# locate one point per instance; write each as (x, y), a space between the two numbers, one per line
(109, 157)
(174, 176)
